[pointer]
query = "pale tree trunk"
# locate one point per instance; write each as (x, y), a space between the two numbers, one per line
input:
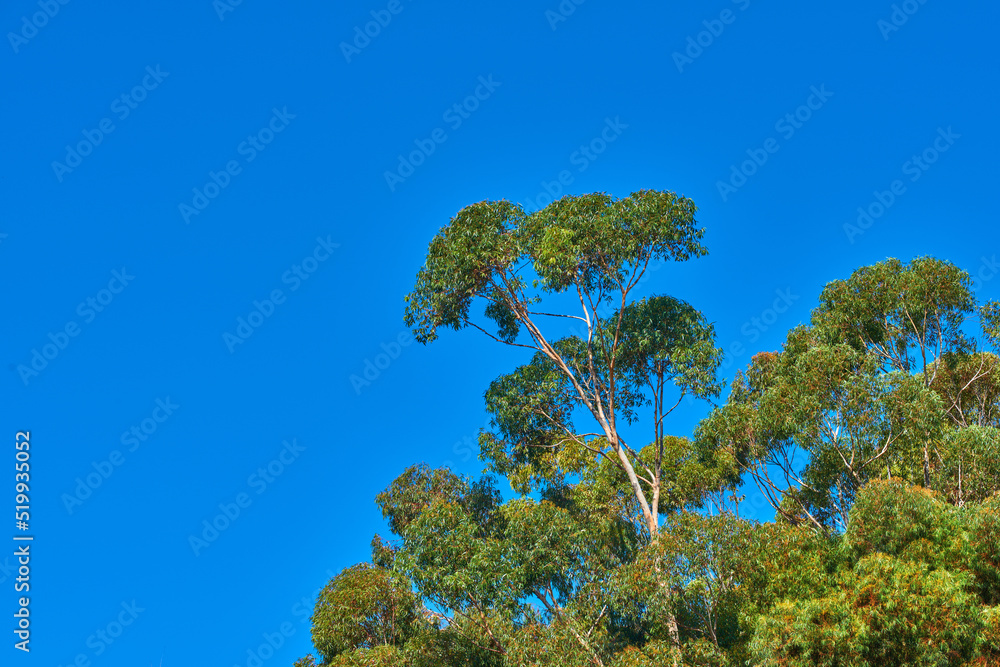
(675, 638)
(927, 467)
(606, 419)
(672, 628)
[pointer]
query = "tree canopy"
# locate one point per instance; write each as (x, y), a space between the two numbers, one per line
(873, 433)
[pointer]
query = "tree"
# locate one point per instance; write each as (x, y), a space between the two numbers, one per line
(968, 466)
(852, 422)
(873, 389)
(911, 589)
(970, 387)
(597, 249)
(887, 612)
(365, 609)
(872, 433)
(907, 317)
(699, 554)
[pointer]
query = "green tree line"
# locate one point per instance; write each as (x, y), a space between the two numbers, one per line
(874, 433)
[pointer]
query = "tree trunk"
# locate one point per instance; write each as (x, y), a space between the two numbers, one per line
(927, 467)
(675, 637)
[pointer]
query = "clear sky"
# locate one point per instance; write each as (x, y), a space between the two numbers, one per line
(212, 212)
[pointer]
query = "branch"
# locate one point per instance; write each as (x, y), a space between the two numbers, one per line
(499, 340)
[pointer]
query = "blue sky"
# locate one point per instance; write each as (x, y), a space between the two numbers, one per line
(199, 225)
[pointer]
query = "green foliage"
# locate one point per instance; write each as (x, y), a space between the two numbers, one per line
(380, 656)
(661, 341)
(920, 572)
(532, 410)
(539, 644)
(810, 632)
(983, 555)
(447, 645)
(598, 249)
(885, 612)
(691, 570)
(781, 562)
(666, 340)
(451, 563)
(903, 315)
(968, 464)
(693, 473)
(543, 556)
(365, 607)
(593, 241)
(873, 432)
(884, 384)
(989, 641)
(653, 654)
(461, 262)
(889, 517)
(989, 315)
(969, 384)
(832, 403)
(419, 487)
